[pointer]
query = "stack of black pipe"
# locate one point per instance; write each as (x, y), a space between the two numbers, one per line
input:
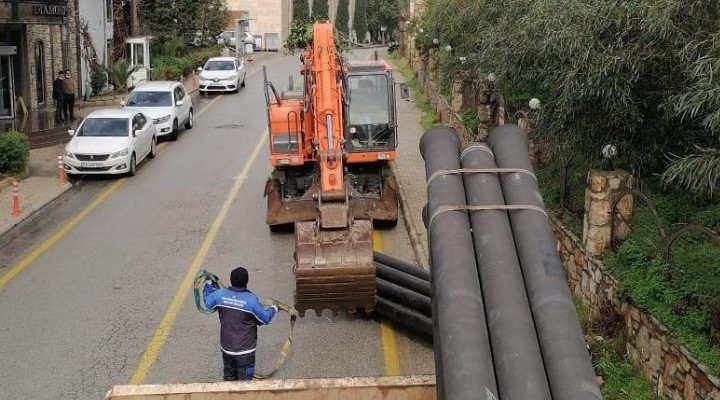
(504, 325)
(403, 294)
(463, 360)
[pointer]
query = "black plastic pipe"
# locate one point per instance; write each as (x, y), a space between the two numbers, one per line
(516, 352)
(405, 297)
(407, 281)
(565, 355)
(401, 265)
(461, 340)
(403, 316)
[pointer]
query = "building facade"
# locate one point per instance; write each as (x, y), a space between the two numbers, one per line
(269, 19)
(96, 31)
(37, 40)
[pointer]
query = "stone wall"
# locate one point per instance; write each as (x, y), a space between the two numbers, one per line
(60, 47)
(443, 110)
(664, 362)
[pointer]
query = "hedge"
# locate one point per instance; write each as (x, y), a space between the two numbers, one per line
(14, 152)
(172, 68)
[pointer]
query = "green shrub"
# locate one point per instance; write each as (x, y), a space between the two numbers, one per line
(172, 67)
(98, 80)
(14, 152)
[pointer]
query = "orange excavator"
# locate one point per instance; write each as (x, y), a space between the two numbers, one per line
(331, 143)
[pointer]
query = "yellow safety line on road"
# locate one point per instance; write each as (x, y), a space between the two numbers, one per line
(163, 330)
(38, 251)
(207, 106)
(387, 333)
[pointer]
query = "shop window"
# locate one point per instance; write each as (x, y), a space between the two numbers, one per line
(40, 71)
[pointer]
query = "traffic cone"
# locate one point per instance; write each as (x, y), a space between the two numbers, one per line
(15, 200)
(61, 171)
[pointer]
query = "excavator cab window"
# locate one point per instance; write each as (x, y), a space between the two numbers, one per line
(370, 117)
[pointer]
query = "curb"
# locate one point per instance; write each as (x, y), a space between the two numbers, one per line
(421, 257)
(34, 210)
(8, 180)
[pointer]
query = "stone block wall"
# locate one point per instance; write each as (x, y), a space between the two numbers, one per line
(36, 34)
(443, 110)
(670, 367)
(56, 40)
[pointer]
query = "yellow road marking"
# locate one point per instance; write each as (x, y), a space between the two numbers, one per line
(38, 251)
(161, 333)
(44, 246)
(387, 333)
(207, 106)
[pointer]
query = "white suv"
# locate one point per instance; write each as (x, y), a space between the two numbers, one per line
(166, 102)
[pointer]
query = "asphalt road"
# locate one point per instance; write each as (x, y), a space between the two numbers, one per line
(108, 302)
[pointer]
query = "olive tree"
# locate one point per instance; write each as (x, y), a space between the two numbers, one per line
(636, 74)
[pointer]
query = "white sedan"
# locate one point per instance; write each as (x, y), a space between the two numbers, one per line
(222, 74)
(110, 142)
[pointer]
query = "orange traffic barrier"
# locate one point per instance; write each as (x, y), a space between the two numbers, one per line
(61, 171)
(15, 200)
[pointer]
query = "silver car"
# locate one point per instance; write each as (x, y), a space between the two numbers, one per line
(227, 38)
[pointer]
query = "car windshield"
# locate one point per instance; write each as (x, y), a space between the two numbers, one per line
(219, 66)
(150, 99)
(99, 127)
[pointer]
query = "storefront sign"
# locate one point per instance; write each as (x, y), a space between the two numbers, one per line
(50, 10)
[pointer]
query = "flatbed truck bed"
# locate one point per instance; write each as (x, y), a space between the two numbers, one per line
(412, 387)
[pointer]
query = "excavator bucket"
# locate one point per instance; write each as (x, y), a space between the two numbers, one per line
(334, 267)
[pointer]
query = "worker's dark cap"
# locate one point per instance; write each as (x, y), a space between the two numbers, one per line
(239, 277)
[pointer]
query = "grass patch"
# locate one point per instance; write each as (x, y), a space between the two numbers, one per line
(469, 119)
(605, 336)
(682, 292)
(428, 118)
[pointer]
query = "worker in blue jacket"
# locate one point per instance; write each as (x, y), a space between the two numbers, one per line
(240, 314)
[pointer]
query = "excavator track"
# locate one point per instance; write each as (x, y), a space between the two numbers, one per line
(334, 267)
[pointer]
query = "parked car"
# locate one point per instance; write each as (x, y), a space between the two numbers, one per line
(111, 141)
(227, 38)
(166, 102)
(222, 74)
(200, 39)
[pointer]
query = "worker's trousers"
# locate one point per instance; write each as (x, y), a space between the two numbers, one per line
(238, 368)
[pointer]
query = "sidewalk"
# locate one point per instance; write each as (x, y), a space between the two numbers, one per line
(39, 188)
(42, 186)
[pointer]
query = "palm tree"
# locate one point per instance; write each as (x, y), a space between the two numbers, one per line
(119, 73)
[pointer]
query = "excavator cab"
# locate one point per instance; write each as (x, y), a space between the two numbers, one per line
(370, 112)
